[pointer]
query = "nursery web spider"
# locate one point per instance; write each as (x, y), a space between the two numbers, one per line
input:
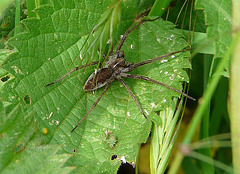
(117, 68)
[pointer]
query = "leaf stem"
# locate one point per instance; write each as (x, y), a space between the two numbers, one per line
(234, 89)
(159, 7)
(30, 7)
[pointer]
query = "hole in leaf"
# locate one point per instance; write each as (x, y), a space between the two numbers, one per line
(19, 147)
(74, 150)
(113, 157)
(1, 135)
(5, 78)
(27, 99)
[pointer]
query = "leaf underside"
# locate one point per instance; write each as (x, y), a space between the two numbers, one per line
(46, 52)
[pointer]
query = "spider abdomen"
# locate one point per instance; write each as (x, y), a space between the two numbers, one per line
(98, 79)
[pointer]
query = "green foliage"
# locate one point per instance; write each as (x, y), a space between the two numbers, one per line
(218, 16)
(7, 18)
(43, 159)
(164, 136)
(21, 155)
(218, 19)
(36, 121)
(45, 53)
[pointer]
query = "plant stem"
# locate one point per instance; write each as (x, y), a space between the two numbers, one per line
(234, 90)
(204, 131)
(30, 7)
(159, 7)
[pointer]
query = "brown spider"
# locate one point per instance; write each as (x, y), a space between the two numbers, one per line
(117, 68)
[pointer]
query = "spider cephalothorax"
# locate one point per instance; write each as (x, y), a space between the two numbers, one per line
(113, 68)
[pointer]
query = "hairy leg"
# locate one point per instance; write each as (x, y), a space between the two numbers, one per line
(134, 66)
(75, 69)
(132, 95)
(129, 31)
(93, 106)
(157, 82)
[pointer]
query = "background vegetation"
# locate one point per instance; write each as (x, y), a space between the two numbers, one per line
(49, 38)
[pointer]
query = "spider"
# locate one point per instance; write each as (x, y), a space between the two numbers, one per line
(117, 68)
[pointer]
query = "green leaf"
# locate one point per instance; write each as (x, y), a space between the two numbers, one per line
(42, 159)
(46, 52)
(3, 55)
(164, 136)
(218, 16)
(16, 129)
(7, 18)
(21, 155)
(4, 4)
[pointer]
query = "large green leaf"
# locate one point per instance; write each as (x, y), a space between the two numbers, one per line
(47, 51)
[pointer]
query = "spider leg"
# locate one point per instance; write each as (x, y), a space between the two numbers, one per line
(93, 106)
(132, 95)
(111, 50)
(154, 81)
(129, 31)
(75, 69)
(134, 66)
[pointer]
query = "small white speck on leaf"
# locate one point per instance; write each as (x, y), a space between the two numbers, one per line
(166, 72)
(153, 105)
(109, 41)
(50, 115)
(146, 111)
(123, 159)
(164, 60)
(132, 46)
(172, 77)
(16, 69)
